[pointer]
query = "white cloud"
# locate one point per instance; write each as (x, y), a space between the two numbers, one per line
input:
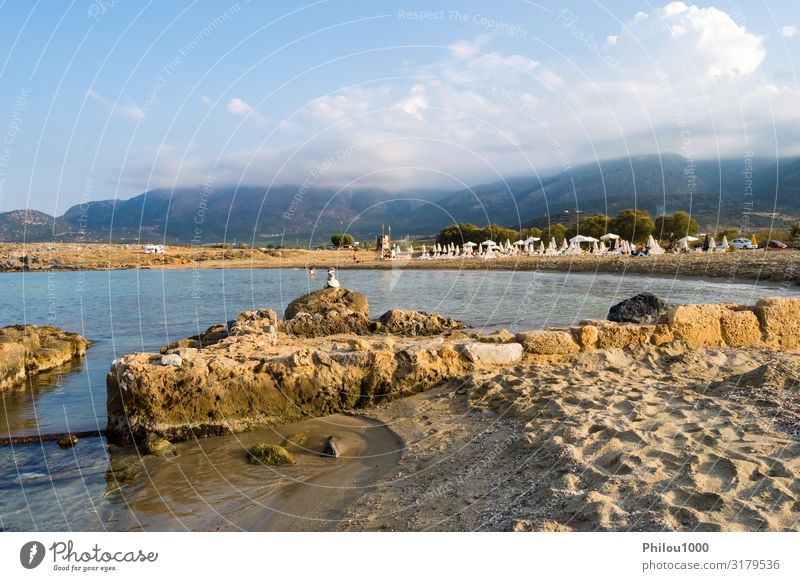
(611, 39)
(240, 107)
(205, 100)
(415, 102)
(788, 31)
(130, 111)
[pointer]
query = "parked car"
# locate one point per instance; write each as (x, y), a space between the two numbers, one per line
(743, 244)
(776, 244)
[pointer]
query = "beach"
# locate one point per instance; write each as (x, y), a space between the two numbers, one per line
(782, 266)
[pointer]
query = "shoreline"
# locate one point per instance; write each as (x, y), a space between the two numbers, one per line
(780, 267)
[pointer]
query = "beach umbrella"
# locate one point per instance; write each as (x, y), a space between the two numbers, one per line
(469, 245)
(579, 238)
(609, 236)
(488, 243)
(712, 244)
(522, 242)
(564, 245)
(595, 248)
(602, 247)
(687, 239)
(753, 239)
(724, 243)
(541, 247)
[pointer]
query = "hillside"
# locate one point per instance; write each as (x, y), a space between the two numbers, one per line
(713, 191)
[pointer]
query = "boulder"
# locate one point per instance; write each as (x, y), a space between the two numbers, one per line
(28, 349)
(780, 320)
(331, 447)
(255, 322)
(740, 328)
(415, 323)
(491, 353)
(211, 336)
(697, 325)
(328, 299)
(333, 322)
(269, 455)
(548, 342)
(172, 359)
(67, 441)
(643, 308)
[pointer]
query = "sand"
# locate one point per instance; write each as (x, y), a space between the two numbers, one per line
(603, 441)
(778, 265)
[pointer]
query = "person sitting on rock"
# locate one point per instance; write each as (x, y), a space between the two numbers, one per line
(332, 282)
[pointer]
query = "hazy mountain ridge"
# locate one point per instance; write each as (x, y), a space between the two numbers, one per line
(713, 190)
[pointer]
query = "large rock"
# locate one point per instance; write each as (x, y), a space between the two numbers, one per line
(492, 353)
(780, 321)
(27, 349)
(697, 325)
(211, 336)
(644, 308)
(548, 342)
(415, 323)
(323, 301)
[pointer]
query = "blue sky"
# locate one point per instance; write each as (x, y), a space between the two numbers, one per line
(108, 99)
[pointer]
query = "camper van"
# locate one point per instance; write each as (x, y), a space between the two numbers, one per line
(154, 249)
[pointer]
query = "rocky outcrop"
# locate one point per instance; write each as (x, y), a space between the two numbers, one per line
(323, 301)
(644, 308)
(248, 379)
(415, 323)
(27, 349)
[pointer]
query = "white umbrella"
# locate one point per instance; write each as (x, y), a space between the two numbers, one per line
(712, 244)
(532, 239)
(522, 242)
(564, 244)
(488, 243)
(724, 242)
(469, 245)
(595, 248)
(687, 239)
(579, 238)
(609, 236)
(424, 251)
(602, 247)
(541, 247)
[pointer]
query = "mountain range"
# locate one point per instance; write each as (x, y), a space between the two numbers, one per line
(725, 192)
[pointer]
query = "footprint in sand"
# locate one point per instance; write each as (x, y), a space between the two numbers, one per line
(716, 474)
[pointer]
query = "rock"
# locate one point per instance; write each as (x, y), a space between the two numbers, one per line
(269, 455)
(28, 349)
(296, 439)
(255, 322)
(211, 336)
(548, 342)
(740, 328)
(67, 441)
(492, 354)
(499, 336)
(415, 323)
(157, 445)
(331, 323)
(171, 359)
(642, 308)
(328, 299)
(780, 320)
(621, 336)
(331, 447)
(697, 325)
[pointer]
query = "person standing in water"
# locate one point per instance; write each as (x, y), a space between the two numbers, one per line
(312, 271)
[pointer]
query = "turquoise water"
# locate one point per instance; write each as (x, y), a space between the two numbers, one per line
(44, 487)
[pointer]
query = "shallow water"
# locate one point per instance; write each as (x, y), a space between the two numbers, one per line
(44, 487)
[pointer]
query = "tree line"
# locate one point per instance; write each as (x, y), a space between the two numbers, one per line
(632, 225)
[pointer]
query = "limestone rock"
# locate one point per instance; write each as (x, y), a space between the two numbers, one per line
(740, 328)
(780, 321)
(211, 336)
(333, 322)
(255, 322)
(171, 359)
(28, 349)
(548, 342)
(328, 299)
(269, 455)
(642, 308)
(415, 323)
(492, 354)
(697, 325)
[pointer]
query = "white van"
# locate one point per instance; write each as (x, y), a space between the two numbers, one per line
(743, 244)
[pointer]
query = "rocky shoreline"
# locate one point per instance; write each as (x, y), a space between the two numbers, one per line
(326, 356)
(26, 350)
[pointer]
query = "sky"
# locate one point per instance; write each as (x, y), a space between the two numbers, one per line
(107, 99)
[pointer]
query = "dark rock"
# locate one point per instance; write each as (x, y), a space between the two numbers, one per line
(211, 336)
(644, 308)
(67, 441)
(331, 447)
(323, 301)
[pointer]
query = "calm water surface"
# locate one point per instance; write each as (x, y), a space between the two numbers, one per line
(44, 487)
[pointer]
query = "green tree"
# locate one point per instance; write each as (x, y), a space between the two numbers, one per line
(671, 228)
(460, 233)
(594, 225)
(555, 232)
(340, 240)
(633, 225)
(794, 233)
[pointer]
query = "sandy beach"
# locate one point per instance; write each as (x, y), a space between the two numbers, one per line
(606, 441)
(776, 266)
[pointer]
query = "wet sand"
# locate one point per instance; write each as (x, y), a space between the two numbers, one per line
(210, 486)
